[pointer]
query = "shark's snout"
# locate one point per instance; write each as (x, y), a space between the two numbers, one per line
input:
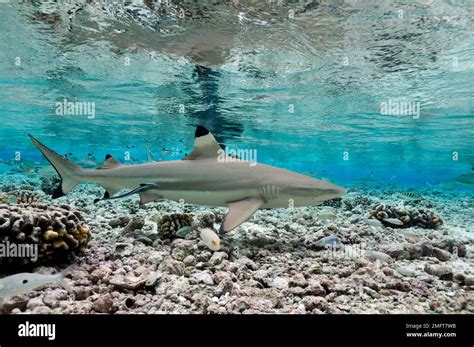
(337, 191)
(331, 191)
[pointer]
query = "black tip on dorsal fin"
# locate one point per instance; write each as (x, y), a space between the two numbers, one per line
(107, 156)
(201, 131)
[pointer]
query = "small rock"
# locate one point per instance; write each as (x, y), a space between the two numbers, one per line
(225, 286)
(100, 273)
(172, 266)
(415, 251)
(315, 268)
(297, 291)
(154, 258)
(314, 288)
(222, 275)
(314, 302)
(190, 260)
(203, 277)
(41, 310)
(441, 254)
(374, 223)
(81, 292)
(261, 276)
(399, 285)
(406, 271)
(427, 249)
(394, 250)
(152, 278)
(136, 223)
(247, 262)
(14, 302)
(129, 282)
(34, 302)
(442, 271)
(217, 258)
(203, 257)
(382, 257)
(298, 280)
(279, 283)
(53, 297)
(103, 304)
(120, 221)
(469, 280)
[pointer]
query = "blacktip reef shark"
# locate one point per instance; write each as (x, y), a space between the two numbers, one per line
(204, 177)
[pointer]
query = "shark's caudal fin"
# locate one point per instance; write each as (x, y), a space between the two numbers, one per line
(70, 173)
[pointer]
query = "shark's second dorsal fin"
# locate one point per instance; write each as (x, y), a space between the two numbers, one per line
(205, 145)
(109, 163)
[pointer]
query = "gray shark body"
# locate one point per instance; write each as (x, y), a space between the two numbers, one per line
(204, 177)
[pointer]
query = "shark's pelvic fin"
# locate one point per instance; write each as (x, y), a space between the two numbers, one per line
(69, 172)
(149, 196)
(239, 212)
(205, 145)
(109, 163)
(142, 191)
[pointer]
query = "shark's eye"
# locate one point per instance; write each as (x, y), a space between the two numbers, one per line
(25, 281)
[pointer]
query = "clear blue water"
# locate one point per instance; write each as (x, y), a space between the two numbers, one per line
(303, 85)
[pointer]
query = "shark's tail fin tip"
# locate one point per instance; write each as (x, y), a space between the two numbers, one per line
(66, 169)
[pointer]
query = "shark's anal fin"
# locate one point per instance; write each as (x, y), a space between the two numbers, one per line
(205, 145)
(239, 212)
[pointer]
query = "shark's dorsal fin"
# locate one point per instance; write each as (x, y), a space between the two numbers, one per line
(109, 163)
(205, 145)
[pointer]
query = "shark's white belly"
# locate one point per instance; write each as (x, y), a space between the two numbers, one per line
(209, 198)
(222, 198)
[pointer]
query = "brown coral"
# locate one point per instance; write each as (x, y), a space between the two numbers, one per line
(58, 232)
(21, 197)
(170, 224)
(409, 217)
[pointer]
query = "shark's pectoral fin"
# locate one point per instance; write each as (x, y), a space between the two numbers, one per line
(239, 212)
(143, 189)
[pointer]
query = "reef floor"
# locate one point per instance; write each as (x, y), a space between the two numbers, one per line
(307, 260)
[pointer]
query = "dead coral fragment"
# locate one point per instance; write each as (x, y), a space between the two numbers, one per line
(20, 197)
(170, 224)
(421, 217)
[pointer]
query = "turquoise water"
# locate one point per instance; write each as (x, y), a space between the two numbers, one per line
(306, 86)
